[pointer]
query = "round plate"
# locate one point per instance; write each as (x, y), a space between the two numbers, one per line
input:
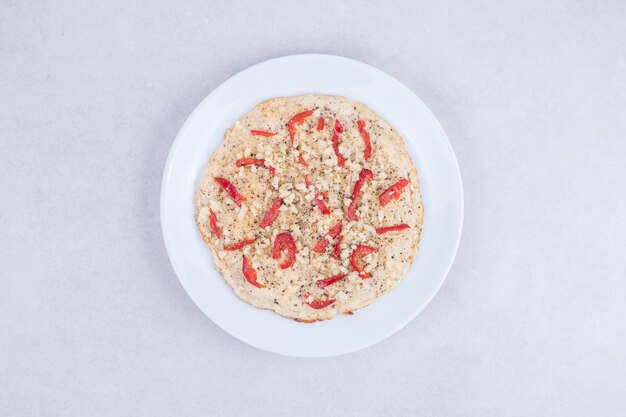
(441, 189)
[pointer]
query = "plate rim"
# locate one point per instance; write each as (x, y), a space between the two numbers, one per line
(457, 177)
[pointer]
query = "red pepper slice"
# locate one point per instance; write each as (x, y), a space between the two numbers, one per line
(359, 252)
(230, 189)
(366, 139)
(392, 192)
(239, 245)
(333, 233)
(250, 273)
(394, 228)
(272, 214)
(340, 161)
(338, 130)
(254, 161)
(302, 161)
(320, 124)
(213, 223)
(364, 175)
(338, 126)
(337, 249)
(319, 203)
(262, 133)
(286, 242)
(250, 161)
(298, 119)
(317, 304)
(323, 283)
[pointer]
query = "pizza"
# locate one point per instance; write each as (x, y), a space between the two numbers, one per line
(311, 207)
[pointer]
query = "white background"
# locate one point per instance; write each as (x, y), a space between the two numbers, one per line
(532, 318)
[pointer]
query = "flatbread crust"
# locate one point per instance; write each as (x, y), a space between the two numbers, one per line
(286, 289)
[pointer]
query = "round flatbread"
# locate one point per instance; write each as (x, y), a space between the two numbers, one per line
(320, 186)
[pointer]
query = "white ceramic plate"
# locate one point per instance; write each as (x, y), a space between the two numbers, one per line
(440, 185)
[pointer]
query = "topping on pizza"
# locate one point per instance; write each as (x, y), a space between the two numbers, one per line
(231, 190)
(394, 228)
(262, 133)
(284, 241)
(393, 192)
(364, 175)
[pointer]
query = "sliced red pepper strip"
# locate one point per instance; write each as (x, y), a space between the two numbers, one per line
(323, 283)
(394, 228)
(340, 161)
(213, 223)
(392, 192)
(319, 203)
(366, 139)
(320, 124)
(249, 161)
(254, 161)
(302, 161)
(230, 189)
(298, 119)
(250, 273)
(364, 175)
(337, 249)
(332, 233)
(322, 206)
(239, 245)
(317, 304)
(359, 252)
(338, 130)
(284, 241)
(262, 133)
(272, 214)
(338, 126)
